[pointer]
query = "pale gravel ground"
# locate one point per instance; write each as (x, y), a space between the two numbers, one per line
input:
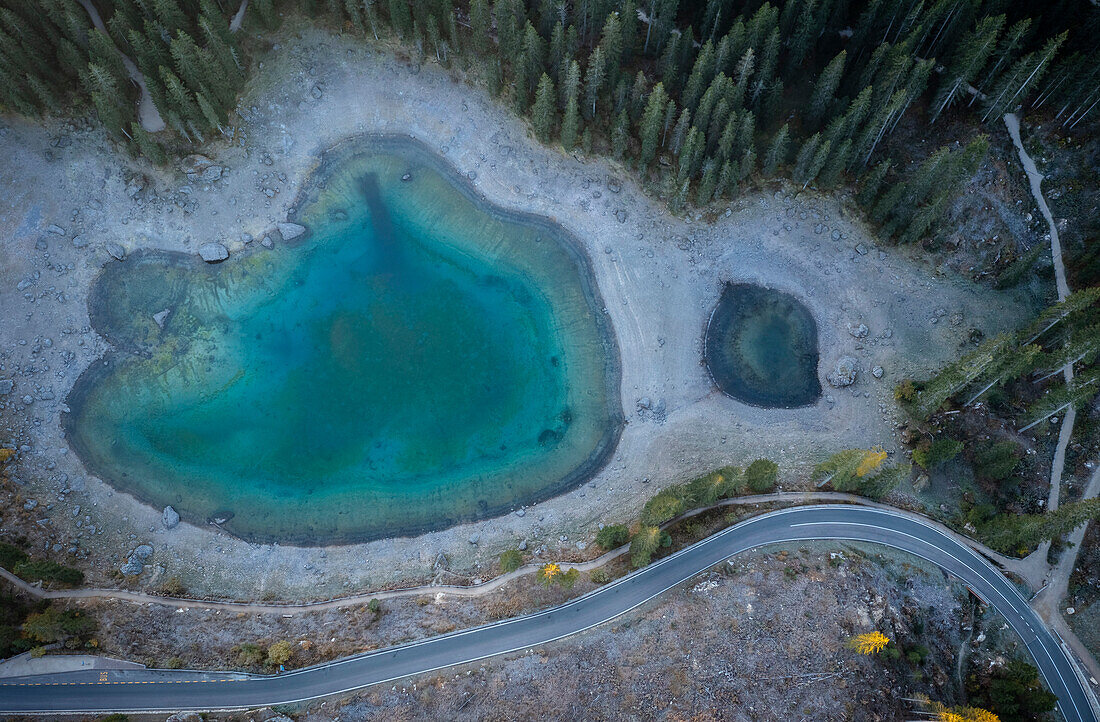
(659, 276)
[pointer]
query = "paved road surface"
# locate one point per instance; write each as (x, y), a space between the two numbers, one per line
(124, 690)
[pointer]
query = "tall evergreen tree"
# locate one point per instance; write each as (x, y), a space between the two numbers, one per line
(651, 123)
(620, 135)
(1007, 50)
(825, 88)
(594, 79)
(967, 62)
(544, 112)
(777, 151)
(1021, 78)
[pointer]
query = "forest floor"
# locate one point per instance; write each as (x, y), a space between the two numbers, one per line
(70, 201)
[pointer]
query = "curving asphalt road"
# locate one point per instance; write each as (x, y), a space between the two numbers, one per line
(165, 690)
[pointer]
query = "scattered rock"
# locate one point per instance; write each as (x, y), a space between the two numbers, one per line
(142, 552)
(861, 249)
(844, 373)
(211, 174)
(6, 386)
(290, 230)
(859, 331)
(79, 241)
(921, 482)
(267, 242)
(877, 372)
(614, 184)
(475, 538)
(30, 504)
(407, 177)
(522, 546)
(521, 512)
(117, 252)
(171, 518)
(55, 229)
(620, 215)
(159, 316)
(28, 400)
(41, 245)
(185, 717)
(132, 567)
(213, 252)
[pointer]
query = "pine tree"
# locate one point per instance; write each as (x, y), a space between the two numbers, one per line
(825, 87)
(777, 151)
(620, 135)
(557, 59)
(967, 62)
(743, 73)
(806, 29)
(105, 92)
(401, 18)
(1021, 78)
(544, 112)
(773, 102)
(102, 52)
(594, 79)
(708, 184)
(872, 182)
(805, 157)
(1012, 533)
(211, 115)
(148, 145)
(680, 132)
(180, 100)
(571, 85)
(838, 161)
(480, 23)
(701, 74)
(570, 124)
(651, 123)
(769, 58)
(168, 14)
(1007, 49)
(638, 94)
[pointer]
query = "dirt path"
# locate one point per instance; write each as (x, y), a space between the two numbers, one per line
(475, 590)
(148, 115)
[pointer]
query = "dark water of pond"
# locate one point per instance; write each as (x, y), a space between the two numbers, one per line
(761, 348)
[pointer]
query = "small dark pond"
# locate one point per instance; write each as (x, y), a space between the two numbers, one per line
(761, 347)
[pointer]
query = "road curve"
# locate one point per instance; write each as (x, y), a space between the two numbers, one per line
(168, 690)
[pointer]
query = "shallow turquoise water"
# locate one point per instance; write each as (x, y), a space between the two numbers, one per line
(417, 360)
(761, 347)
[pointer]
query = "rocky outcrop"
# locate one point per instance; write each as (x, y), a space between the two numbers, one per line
(844, 373)
(290, 230)
(213, 252)
(170, 517)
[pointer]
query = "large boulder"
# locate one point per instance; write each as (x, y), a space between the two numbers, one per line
(171, 518)
(117, 252)
(290, 230)
(844, 373)
(213, 252)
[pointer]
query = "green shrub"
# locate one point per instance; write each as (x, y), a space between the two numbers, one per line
(11, 555)
(718, 484)
(612, 536)
(174, 663)
(668, 504)
(645, 543)
(599, 576)
(57, 625)
(374, 606)
(905, 392)
(1013, 692)
(44, 570)
(279, 653)
(761, 475)
(997, 460)
(568, 578)
(936, 453)
(116, 717)
(511, 560)
(249, 655)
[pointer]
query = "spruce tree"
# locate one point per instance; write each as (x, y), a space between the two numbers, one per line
(148, 145)
(180, 100)
(105, 93)
(701, 75)
(638, 93)
(570, 124)
(967, 62)
(1020, 79)
(102, 52)
(480, 23)
(825, 88)
(872, 182)
(680, 132)
(806, 29)
(571, 85)
(777, 151)
(651, 123)
(1007, 49)
(544, 112)
(594, 79)
(401, 18)
(620, 135)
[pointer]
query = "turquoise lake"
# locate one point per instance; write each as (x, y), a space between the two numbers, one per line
(761, 347)
(417, 359)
